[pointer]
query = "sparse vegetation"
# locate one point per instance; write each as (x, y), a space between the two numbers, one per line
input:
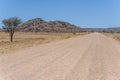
(113, 35)
(23, 40)
(33, 32)
(10, 25)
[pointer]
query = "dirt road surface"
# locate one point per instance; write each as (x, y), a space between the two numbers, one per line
(90, 57)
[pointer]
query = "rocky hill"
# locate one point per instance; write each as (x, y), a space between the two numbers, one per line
(39, 25)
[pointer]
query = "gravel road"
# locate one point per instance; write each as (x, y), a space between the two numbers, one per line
(90, 57)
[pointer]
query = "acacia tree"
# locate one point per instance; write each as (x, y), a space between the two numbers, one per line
(10, 25)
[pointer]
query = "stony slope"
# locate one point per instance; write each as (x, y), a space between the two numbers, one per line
(39, 25)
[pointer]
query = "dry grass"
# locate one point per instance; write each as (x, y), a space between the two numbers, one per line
(113, 35)
(25, 40)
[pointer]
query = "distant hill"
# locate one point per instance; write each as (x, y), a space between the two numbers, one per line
(39, 25)
(114, 29)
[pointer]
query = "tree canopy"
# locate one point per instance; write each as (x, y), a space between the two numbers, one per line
(10, 24)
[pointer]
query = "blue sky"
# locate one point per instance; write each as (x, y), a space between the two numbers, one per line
(83, 13)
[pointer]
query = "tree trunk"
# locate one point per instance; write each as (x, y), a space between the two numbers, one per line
(11, 37)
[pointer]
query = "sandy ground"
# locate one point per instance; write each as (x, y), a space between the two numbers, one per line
(90, 57)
